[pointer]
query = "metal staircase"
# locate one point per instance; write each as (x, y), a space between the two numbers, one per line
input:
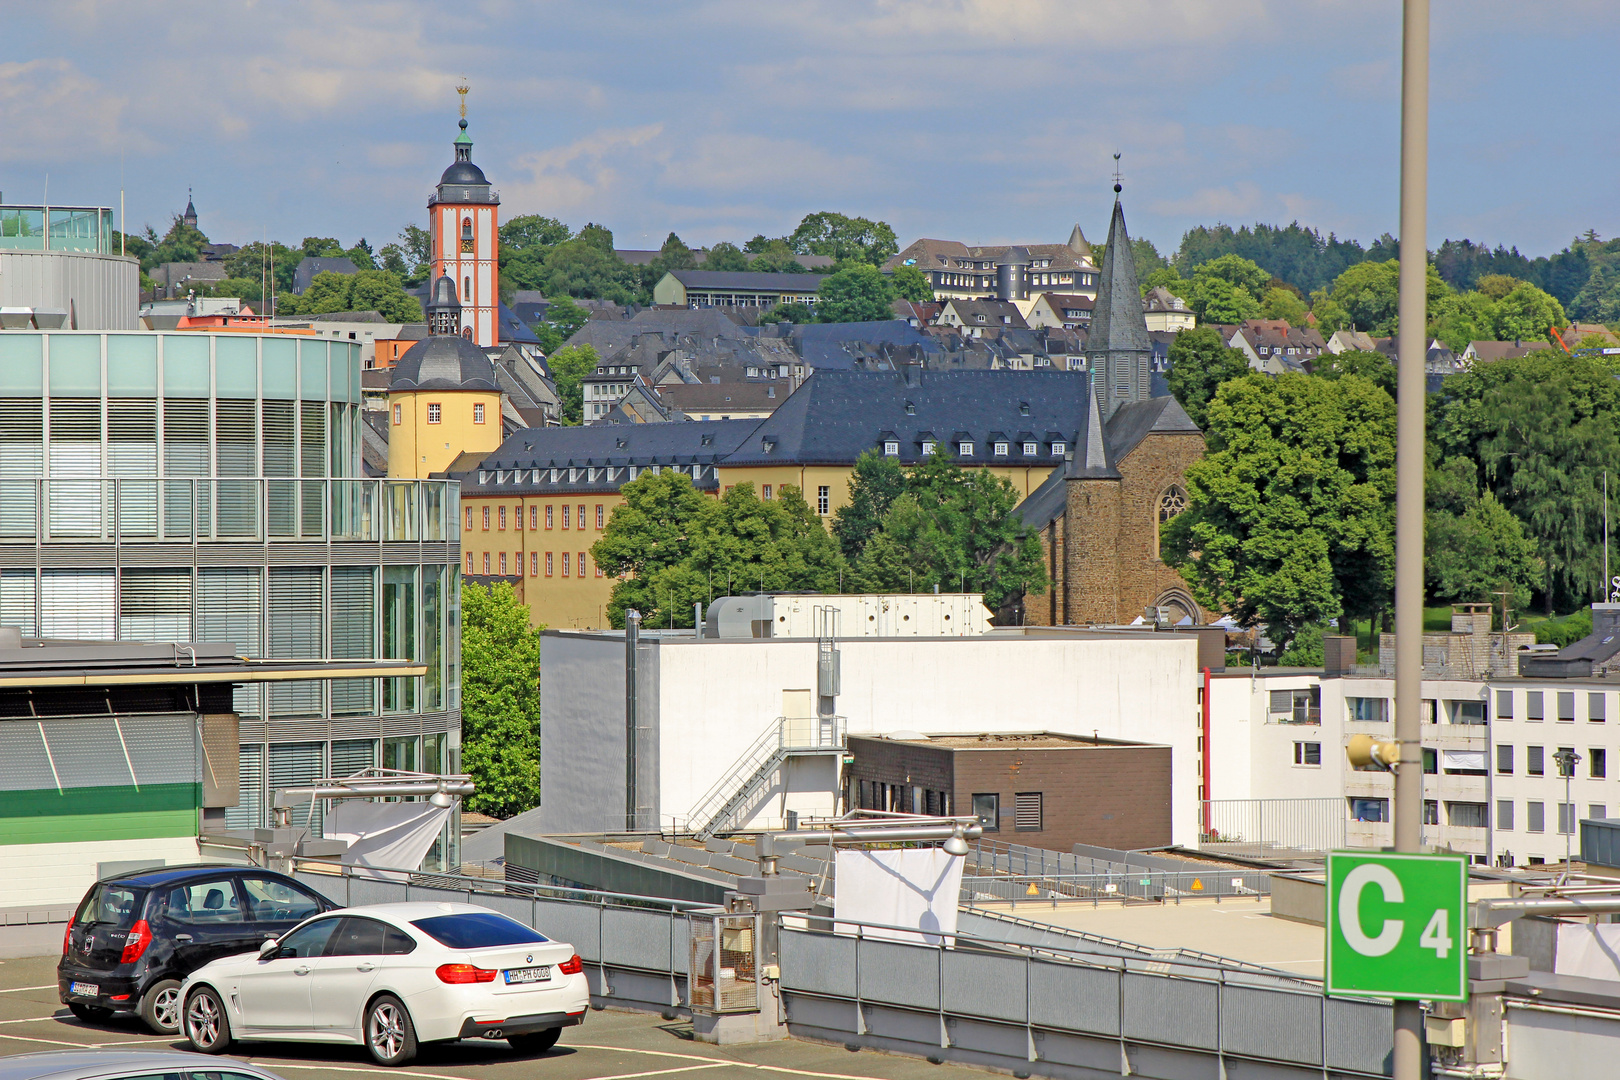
(784, 738)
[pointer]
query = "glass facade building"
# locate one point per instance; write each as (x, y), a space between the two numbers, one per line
(203, 487)
(57, 228)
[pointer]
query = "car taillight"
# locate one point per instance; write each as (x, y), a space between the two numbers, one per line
(572, 966)
(464, 973)
(67, 939)
(140, 936)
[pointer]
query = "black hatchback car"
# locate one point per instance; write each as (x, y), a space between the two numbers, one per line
(136, 935)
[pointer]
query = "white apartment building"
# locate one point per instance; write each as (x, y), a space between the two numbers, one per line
(1492, 786)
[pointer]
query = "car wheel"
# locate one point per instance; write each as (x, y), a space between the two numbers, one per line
(390, 1036)
(90, 1014)
(206, 1026)
(161, 1007)
(535, 1043)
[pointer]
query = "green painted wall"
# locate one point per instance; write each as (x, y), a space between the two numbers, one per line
(99, 813)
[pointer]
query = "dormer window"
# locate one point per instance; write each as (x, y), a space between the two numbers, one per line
(965, 449)
(911, 410)
(978, 318)
(1059, 449)
(1001, 449)
(1023, 408)
(891, 448)
(1031, 449)
(927, 447)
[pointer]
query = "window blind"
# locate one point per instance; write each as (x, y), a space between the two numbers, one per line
(354, 635)
(248, 813)
(295, 765)
(77, 604)
(312, 438)
(280, 439)
(229, 603)
(155, 605)
(296, 617)
(349, 756)
(236, 439)
(22, 449)
(18, 592)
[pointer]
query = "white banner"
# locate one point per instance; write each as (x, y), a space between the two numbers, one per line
(1592, 952)
(1463, 759)
(916, 887)
(386, 834)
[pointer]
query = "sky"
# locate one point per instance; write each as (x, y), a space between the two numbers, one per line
(987, 121)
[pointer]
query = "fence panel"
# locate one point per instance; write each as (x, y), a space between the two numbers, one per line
(1074, 998)
(1268, 1024)
(1178, 1012)
(814, 963)
(636, 939)
(1359, 1035)
(979, 984)
(577, 924)
(899, 974)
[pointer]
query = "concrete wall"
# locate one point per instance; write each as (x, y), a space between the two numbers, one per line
(33, 875)
(716, 697)
(101, 292)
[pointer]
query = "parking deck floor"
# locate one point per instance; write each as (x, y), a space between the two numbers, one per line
(611, 1045)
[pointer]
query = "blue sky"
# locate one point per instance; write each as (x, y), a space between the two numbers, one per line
(979, 120)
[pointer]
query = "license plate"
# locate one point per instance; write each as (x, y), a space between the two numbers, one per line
(527, 975)
(84, 989)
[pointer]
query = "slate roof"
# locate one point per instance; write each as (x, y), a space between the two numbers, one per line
(1117, 324)
(755, 396)
(841, 345)
(835, 416)
(930, 254)
(749, 280)
(444, 362)
(310, 265)
(598, 457)
(994, 313)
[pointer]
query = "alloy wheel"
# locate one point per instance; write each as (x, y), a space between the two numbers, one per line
(202, 1020)
(387, 1030)
(166, 1008)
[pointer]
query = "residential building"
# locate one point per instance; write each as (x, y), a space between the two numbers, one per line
(1351, 341)
(746, 400)
(647, 256)
(203, 487)
(385, 352)
(1039, 789)
(1010, 272)
(179, 279)
(1072, 311)
(464, 222)
(1273, 347)
(1098, 516)
(743, 288)
(973, 317)
(1486, 352)
(710, 702)
(59, 269)
(1164, 311)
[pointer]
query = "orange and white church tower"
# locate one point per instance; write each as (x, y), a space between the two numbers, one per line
(463, 216)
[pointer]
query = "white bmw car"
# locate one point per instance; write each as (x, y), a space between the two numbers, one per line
(391, 977)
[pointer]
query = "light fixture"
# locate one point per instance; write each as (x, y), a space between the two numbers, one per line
(957, 843)
(442, 799)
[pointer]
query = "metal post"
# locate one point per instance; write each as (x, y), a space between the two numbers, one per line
(1409, 452)
(632, 638)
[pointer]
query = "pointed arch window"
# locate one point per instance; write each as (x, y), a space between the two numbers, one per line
(1172, 502)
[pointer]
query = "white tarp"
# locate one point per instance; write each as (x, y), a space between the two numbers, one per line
(386, 834)
(1592, 952)
(906, 887)
(1463, 759)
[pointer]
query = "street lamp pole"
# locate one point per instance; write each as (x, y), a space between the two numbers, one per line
(1411, 354)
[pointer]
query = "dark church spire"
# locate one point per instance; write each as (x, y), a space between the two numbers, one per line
(1117, 346)
(190, 216)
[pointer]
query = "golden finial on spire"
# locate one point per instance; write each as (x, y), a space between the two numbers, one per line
(462, 88)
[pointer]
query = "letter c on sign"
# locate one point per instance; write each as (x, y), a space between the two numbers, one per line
(1350, 909)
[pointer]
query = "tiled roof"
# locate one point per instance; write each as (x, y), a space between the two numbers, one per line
(748, 280)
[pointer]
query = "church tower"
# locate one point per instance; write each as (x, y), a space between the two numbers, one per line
(1118, 348)
(463, 219)
(444, 397)
(190, 216)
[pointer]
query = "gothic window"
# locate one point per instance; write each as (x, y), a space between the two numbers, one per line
(1171, 503)
(466, 228)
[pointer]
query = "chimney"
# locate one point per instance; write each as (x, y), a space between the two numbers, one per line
(1605, 619)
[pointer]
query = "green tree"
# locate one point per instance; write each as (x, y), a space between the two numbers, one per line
(1368, 293)
(745, 542)
(598, 236)
(793, 313)
(362, 256)
(1219, 301)
(500, 700)
(1463, 317)
(321, 247)
(954, 528)
(1527, 314)
(1305, 649)
(1146, 257)
(725, 256)
(1469, 556)
(860, 293)
(562, 321)
(1241, 272)
(1289, 517)
(256, 260)
(1375, 367)
(417, 245)
(774, 257)
(182, 243)
(648, 535)
(569, 366)
(1200, 362)
(873, 486)
(1279, 303)
(910, 283)
(380, 291)
(527, 232)
(844, 238)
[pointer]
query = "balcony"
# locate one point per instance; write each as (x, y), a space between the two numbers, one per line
(226, 510)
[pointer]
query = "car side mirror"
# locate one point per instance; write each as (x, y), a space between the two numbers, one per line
(269, 949)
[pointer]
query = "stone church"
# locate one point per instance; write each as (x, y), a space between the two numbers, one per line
(1099, 513)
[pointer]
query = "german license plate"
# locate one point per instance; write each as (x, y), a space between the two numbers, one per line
(84, 989)
(515, 976)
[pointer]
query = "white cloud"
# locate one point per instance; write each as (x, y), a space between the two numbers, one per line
(580, 177)
(50, 109)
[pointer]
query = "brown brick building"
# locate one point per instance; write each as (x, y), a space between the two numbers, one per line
(1036, 788)
(1099, 514)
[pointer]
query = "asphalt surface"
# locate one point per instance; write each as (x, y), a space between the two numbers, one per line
(611, 1045)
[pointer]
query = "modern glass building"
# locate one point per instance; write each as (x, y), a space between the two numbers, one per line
(206, 487)
(57, 228)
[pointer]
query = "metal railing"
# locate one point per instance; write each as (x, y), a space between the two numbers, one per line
(226, 509)
(1135, 883)
(782, 738)
(1267, 828)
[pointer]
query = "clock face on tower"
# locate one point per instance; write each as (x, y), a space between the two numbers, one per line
(467, 244)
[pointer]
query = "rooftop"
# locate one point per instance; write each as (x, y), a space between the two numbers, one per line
(1008, 740)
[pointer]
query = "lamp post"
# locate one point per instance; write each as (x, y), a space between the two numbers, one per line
(1567, 760)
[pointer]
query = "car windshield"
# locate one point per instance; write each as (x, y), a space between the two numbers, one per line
(477, 930)
(112, 905)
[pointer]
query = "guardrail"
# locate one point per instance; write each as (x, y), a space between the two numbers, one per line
(226, 509)
(1260, 828)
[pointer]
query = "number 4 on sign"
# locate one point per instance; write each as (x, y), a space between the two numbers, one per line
(1435, 936)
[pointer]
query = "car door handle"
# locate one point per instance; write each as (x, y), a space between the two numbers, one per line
(182, 937)
(368, 966)
(300, 971)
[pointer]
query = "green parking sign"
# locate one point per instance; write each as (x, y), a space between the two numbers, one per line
(1395, 926)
